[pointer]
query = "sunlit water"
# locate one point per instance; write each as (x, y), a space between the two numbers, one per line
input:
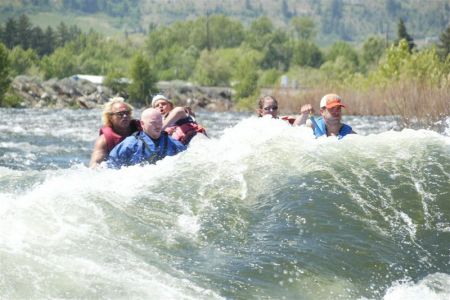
(260, 210)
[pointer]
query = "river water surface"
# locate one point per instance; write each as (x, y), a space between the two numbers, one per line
(260, 210)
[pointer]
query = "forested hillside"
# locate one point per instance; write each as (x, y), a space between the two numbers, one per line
(349, 20)
(314, 46)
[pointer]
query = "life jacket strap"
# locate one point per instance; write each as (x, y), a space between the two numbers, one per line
(157, 154)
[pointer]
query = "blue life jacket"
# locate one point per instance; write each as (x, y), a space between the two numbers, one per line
(140, 148)
(320, 128)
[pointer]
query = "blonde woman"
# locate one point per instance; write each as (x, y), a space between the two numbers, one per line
(117, 125)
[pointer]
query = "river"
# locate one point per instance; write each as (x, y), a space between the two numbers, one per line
(260, 210)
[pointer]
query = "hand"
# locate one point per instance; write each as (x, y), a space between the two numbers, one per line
(306, 109)
(189, 111)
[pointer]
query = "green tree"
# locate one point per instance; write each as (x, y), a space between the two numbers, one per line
(278, 52)
(21, 60)
(214, 67)
(338, 71)
(62, 35)
(443, 45)
(303, 28)
(245, 76)
(402, 34)
(424, 67)
(268, 78)
(332, 16)
(61, 63)
(390, 70)
(114, 80)
(4, 72)
(343, 49)
(274, 44)
(167, 64)
(306, 53)
(185, 64)
(214, 32)
(95, 54)
(372, 50)
(10, 34)
(225, 33)
(258, 33)
(285, 10)
(24, 32)
(143, 81)
(49, 42)
(37, 40)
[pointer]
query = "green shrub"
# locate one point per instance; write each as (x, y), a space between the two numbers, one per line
(4, 72)
(269, 78)
(143, 81)
(11, 99)
(214, 68)
(22, 60)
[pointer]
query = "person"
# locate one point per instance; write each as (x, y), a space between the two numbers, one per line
(305, 111)
(268, 106)
(147, 145)
(178, 122)
(329, 124)
(117, 125)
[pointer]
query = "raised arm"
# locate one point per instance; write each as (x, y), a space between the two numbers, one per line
(99, 153)
(305, 111)
(175, 114)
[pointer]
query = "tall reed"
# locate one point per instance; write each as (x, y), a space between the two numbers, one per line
(412, 101)
(412, 86)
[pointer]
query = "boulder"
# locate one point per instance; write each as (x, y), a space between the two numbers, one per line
(70, 92)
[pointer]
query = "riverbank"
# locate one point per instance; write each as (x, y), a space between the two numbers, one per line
(72, 92)
(417, 105)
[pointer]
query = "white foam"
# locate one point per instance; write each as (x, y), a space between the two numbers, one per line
(433, 287)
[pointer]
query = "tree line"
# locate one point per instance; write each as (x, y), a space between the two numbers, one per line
(213, 50)
(336, 19)
(20, 32)
(128, 8)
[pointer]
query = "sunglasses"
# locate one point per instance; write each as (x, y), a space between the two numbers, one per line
(122, 113)
(271, 108)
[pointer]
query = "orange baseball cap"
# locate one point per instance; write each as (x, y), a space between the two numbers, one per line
(331, 100)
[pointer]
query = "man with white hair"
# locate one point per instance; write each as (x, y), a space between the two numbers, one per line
(329, 124)
(146, 146)
(117, 125)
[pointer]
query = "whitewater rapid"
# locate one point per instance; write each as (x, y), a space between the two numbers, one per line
(260, 210)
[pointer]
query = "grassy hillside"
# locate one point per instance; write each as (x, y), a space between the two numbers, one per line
(350, 20)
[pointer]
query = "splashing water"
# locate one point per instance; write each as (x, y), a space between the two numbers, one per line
(261, 210)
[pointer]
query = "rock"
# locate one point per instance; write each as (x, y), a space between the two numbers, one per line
(45, 96)
(69, 92)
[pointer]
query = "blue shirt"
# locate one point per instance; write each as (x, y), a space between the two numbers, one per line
(321, 129)
(139, 148)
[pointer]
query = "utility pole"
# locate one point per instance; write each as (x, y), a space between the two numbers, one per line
(208, 44)
(387, 35)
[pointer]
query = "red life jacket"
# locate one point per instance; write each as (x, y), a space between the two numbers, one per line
(112, 138)
(289, 119)
(185, 132)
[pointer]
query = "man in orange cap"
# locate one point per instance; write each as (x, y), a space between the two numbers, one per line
(330, 122)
